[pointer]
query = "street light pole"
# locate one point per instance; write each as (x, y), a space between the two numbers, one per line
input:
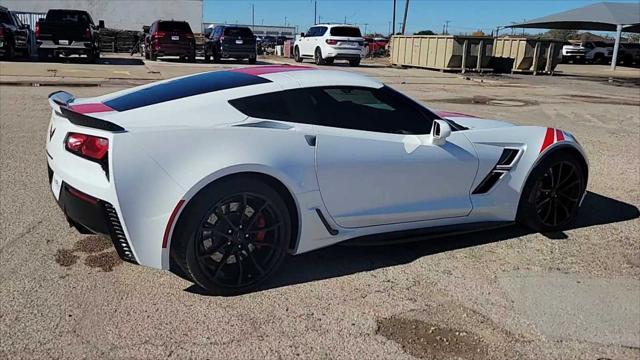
(393, 29)
(404, 19)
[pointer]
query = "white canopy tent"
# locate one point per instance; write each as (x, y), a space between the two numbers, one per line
(605, 16)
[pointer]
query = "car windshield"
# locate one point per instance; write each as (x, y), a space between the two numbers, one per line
(69, 16)
(345, 31)
(4, 18)
(175, 26)
(238, 31)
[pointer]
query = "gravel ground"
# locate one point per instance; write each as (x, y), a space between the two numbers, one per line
(503, 294)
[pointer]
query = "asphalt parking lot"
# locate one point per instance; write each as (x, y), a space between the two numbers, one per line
(503, 294)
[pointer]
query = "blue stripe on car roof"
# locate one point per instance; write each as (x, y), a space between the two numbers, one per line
(184, 87)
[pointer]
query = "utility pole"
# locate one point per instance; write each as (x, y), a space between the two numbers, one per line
(390, 33)
(446, 28)
(365, 28)
(315, 12)
(253, 19)
(285, 21)
(393, 29)
(404, 19)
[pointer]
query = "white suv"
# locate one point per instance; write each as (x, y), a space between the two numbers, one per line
(327, 42)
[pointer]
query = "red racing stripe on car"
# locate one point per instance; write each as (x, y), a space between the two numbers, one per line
(549, 138)
(559, 135)
(269, 69)
(90, 108)
(172, 219)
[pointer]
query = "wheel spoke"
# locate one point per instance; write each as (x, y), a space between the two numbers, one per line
(568, 177)
(240, 268)
(547, 214)
(254, 216)
(217, 232)
(222, 263)
(224, 217)
(543, 202)
(554, 204)
(569, 185)
(213, 249)
(572, 199)
(253, 259)
(566, 210)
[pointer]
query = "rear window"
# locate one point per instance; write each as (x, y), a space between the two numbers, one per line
(238, 31)
(174, 26)
(345, 31)
(69, 16)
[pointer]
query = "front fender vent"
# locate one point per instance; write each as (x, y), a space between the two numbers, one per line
(507, 160)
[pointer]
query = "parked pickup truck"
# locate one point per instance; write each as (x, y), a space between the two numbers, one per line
(14, 35)
(68, 32)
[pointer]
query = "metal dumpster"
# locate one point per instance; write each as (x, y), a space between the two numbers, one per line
(442, 52)
(526, 55)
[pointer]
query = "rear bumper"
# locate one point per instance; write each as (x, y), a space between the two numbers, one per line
(74, 46)
(343, 54)
(92, 215)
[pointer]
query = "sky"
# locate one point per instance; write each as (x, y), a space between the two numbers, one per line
(464, 16)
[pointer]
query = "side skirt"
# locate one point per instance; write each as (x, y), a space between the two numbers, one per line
(406, 236)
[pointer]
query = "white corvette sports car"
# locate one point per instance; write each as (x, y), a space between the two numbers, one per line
(220, 175)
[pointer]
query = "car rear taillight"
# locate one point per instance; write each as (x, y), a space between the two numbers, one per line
(87, 146)
(1, 31)
(331, 41)
(188, 36)
(158, 34)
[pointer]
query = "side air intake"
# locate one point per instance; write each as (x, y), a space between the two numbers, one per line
(507, 159)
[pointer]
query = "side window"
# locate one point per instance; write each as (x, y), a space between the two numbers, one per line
(379, 110)
(311, 32)
(321, 30)
(289, 105)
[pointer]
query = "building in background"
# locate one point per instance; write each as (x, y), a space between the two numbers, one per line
(262, 30)
(123, 15)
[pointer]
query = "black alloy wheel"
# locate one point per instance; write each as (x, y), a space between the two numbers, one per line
(558, 194)
(318, 57)
(241, 239)
(552, 194)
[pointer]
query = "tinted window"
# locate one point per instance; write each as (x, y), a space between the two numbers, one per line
(289, 105)
(175, 26)
(380, 110)
(4, 18)
(184, 87)
(69, 16)
(345, 31)
(238, 31)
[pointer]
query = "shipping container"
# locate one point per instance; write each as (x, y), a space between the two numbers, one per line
(526, 55)
(442, 52)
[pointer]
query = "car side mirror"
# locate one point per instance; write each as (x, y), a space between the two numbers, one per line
(145, 29)
(100, 24)
(301, 34)
(440, 131)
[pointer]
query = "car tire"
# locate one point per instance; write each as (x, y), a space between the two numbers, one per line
(219, 254)
(43, 55)
(318, 57)
(296, 55)
(552, 193)
(153, 56)
(252, 60)
(10, 52)
(207, 57)
(216, 58)
(355, 62)
(328, 61)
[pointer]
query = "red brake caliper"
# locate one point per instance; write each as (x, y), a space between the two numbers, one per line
(260, 223)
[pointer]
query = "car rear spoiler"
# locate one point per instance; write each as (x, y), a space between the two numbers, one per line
(60, 101)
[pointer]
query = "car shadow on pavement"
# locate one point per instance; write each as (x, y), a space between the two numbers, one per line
(124, 60)
(221, 62)
(337, 260)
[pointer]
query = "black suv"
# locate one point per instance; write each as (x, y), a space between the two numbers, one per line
(14, 35)
(68, 32)
(236, 42)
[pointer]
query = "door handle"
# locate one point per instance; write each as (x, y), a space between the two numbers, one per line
(311, 140)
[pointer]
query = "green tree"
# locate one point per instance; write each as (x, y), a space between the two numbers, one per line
(424, 32)
(560, 34)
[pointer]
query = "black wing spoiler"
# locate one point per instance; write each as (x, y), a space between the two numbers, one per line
(60, 101)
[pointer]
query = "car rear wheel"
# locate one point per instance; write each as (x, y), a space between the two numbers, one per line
(252, 60)
(552, 194)
(296, 55)
(355, 62)
(318, 57)
(236, 235)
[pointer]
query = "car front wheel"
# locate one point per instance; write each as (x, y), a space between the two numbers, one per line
(296, 55)
(235, 234)
(552, 194)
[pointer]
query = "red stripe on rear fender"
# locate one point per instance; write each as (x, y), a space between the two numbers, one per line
(548, 139)
(90, 108)
(172, 219)
(559, 135)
